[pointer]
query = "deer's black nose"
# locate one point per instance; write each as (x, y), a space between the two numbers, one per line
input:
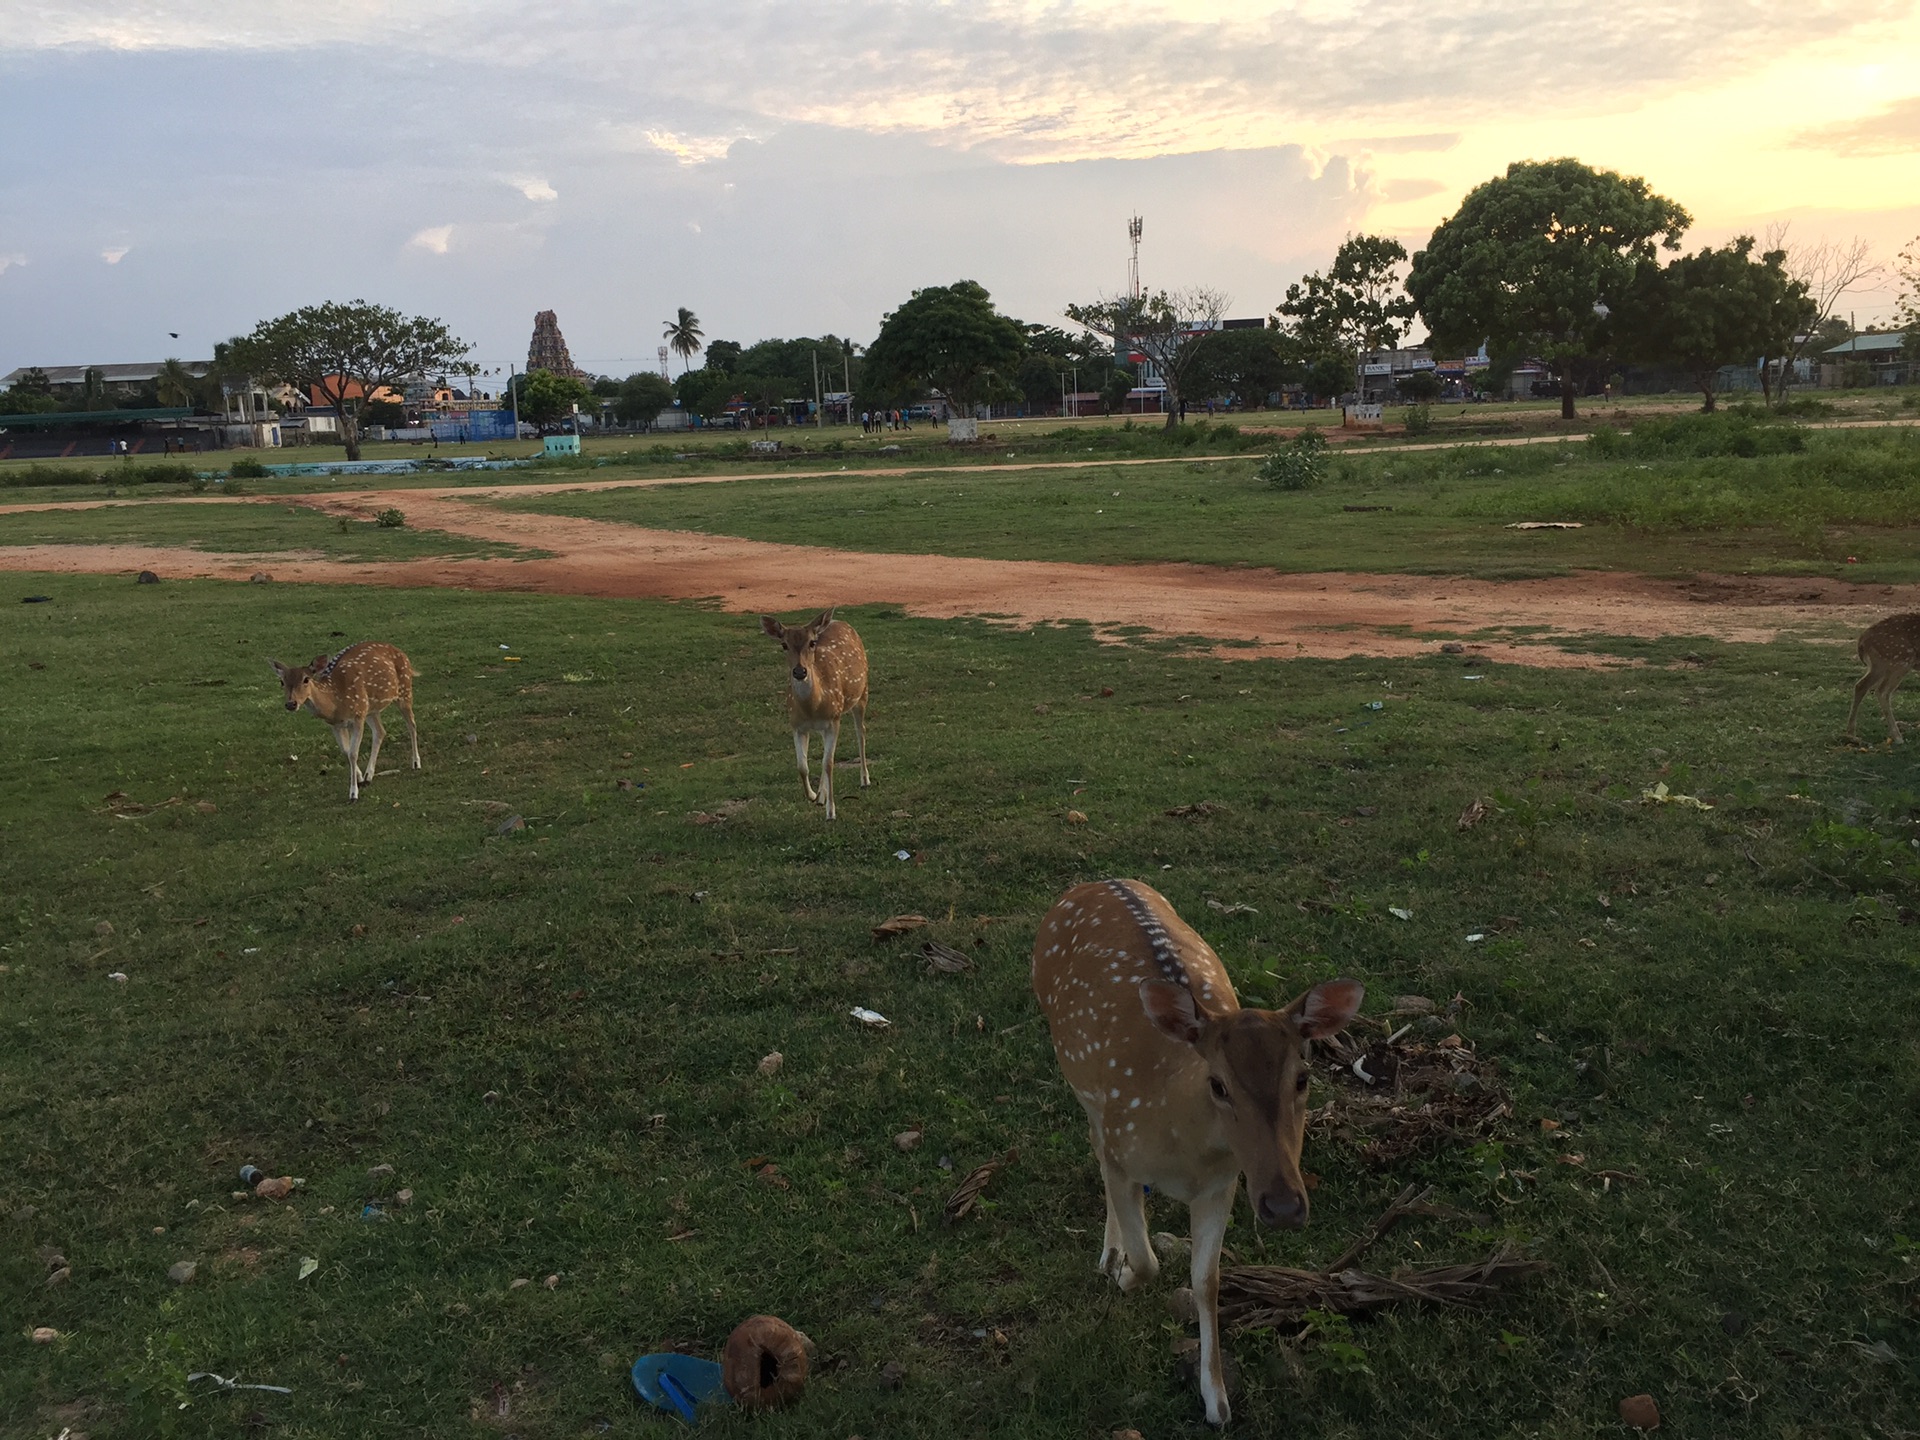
(799, 672)
(1283, 1207)
(293, 704)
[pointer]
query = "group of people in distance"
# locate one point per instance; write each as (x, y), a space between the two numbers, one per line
(873, 421)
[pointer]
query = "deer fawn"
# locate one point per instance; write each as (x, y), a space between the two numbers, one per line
(1183, 1089)
(349, 692)
(1891, 647)
(828, 668)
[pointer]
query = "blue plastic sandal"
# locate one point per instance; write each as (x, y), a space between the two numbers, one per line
(677, 1383)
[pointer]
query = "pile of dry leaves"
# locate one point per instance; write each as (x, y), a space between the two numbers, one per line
(1396, 1094)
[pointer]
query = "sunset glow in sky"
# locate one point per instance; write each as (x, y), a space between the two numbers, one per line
(782, 169)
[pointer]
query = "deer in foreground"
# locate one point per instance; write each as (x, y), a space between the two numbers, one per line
(827, 668)
(1183, 1089)
(1891, 647)
(349, 692)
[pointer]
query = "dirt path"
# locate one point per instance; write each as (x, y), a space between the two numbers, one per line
(1326, 615)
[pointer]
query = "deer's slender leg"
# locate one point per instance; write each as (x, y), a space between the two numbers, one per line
(1209, 1214)
(413, 731)
(343, 733)
(860, 731)
(1888, 684)
(1128, 1202)
(802, 743)
(1860, 693)
(379, 734)
(829, 742)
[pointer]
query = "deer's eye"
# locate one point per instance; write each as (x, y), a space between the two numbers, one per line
(1219, 1090)
(1300, 1083)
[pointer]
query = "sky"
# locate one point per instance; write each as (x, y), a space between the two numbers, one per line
(788, 169)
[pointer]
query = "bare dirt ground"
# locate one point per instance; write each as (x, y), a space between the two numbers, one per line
(1324, 615)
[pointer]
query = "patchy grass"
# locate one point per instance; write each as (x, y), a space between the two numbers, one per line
(1717, 1002)
(260, 528)
(1845, 494)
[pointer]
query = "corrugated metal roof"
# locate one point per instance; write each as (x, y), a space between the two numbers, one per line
(56, 419)
(1868, 344)
(136, 374)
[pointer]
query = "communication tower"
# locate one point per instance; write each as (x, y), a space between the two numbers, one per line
(1133, 261)
(663, 364)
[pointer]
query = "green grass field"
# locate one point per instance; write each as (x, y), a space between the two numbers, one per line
(552, 1034)
(257, 529)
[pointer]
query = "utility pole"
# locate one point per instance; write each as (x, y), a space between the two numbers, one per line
(819, 405)
(513, 389)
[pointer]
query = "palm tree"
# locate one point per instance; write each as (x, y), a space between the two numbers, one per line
(175, 385)
(683, 334)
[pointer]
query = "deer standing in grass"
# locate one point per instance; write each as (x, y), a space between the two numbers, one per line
(349, 692)
(827, 668)
(1183, 1089)
(1891, 647)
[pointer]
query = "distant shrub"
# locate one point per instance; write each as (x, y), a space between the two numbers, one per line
(1300, 465)
(1605, 443)
(1700, 437)
(390, 520)
(49, 475)
(247, 468)
(155, 473)
(1419, 419)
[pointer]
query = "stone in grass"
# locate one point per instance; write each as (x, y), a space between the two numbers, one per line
(274, 1187)
(770, 1063)
(893, 1375)
(103, 930)
(45, 1334)
(1171, 1248)
(181, 1271)
(1183, 1307)
(1640, 1412)
(147, 577)
(907, 1140)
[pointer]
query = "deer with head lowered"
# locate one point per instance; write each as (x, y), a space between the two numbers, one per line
(1890, 647)
(349, 692)
(827, 674)
(1184, 1090)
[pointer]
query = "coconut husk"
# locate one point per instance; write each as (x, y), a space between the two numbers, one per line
(1407, 1095)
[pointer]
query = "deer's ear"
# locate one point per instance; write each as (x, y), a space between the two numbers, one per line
(823, 619)
(772, 627)
(278, 668)
(1171, 1009)
(319, 662)
(1327, 1008)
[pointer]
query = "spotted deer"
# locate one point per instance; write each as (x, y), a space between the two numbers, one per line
(349, 692)
(1891, 647)
(1184, 1090)
(827, 670)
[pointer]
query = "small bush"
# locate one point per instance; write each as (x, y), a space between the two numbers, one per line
(390, 520)
(1301, 465)
(1605, 443)
(1419, 419)
(248, 468)
(1713, 436)
(38, 475)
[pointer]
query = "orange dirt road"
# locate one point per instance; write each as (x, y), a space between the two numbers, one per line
(1323, 615)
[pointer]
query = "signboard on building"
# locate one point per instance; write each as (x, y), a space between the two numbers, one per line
(475, 425)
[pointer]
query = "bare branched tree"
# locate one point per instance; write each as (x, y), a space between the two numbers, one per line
(1830, 269)
(1169, 328)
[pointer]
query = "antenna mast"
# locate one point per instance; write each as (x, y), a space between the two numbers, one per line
(1133, 261)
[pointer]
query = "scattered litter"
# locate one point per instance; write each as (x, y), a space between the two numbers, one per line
(181, 1271)
(908, 1140)
(1235, 909)
(770, 1064)
(36, 599)
(1399, 912)
(251, 950)
(510, 824)
(552, 1282)
(903, 855)
(1076, 817)
(403, 1197)
(1374, 705)
(897, 925)
(1472, 815)
(260, 577)
(308, 1265)
(274, 1187)
(372, 1211)
(1199, 808)
(1476, 937)
(226, 1384)
(119, 977)
(765, 1363)
(1640, 1412)
(1544, 525)
(506, 647)
(870, 1017)
(1473, 677)
(492, 1097)
(944, 959)
(960, 1203)
(1658, 794)
(520, 1283)
(374, 1172)
(45, 1334)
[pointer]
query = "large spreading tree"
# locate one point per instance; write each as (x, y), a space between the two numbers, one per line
(1538, 259)
(344, 354)
(1357, 305)
(947, 338)
(1716, 308)
(1169, 329)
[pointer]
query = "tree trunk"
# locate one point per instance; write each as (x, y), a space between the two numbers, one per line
(1707, 390)
(1766, 381)
(350, 431)
(1170, 398)
(1567, 410)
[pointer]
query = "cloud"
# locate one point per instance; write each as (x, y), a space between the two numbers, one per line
(1892, 131)
(114, 254)
(534, 188)
(690, 149)
(433, 240)
(1399, 191)
(8, 261)
(1402, 144)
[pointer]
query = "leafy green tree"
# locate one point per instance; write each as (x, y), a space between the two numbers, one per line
(705, 392)
(1169, 329)
(683, 337)
(175, 384)
(1116, 388)
(1247, 366)
(641, 398)
(547, 398)
(1538, 259)
(1422, 387)
(345, 353)
(1353, 307)
(948, 338)
(724, 356)
(1715, 308)
(31, 394)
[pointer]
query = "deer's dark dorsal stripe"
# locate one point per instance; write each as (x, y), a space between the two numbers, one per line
(1158, 940)
(327, 669)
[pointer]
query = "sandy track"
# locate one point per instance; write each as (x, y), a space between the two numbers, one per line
(1325, 615)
